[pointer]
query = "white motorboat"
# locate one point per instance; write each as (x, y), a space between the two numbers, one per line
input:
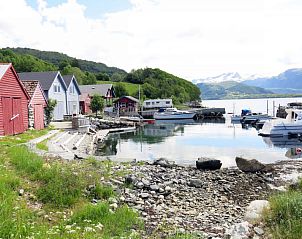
(173, 114)
(292, 125)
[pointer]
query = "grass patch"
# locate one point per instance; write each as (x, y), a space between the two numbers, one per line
(101, 192)
(22, 138)
(285, 215)
(60, 186)
(116, 224)
(132, 89)
(42, 145)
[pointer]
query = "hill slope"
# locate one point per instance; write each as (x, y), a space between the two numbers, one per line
(57, 58)
(229, 89)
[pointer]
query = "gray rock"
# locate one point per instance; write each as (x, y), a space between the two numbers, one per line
(145, 195)
(154, 187)
(140, 185)
(168, 189)
(130, 179)
(164, 163)
(252, 165)
(255, 209)
(259, 231)
(146, 182)
(197, 183)
(208, 164)
(239, 231)
(21, 192)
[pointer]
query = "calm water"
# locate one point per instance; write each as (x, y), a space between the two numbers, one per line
(256, 105)
(185, 141)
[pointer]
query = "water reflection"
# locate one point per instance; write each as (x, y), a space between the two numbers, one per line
(294, 145)
(185, 141)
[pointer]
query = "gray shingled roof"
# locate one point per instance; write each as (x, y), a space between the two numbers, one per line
(101, 89)
(45, 78)
(68, 79)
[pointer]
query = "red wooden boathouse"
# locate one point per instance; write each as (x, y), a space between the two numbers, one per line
(13, 102)
(36, 104)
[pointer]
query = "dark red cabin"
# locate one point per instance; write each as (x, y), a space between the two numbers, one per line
(13, 102)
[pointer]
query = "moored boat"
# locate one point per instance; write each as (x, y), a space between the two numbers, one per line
(292, 125)
(173, 114)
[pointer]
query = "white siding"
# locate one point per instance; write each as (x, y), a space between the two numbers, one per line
(73, 99)
(60, 97)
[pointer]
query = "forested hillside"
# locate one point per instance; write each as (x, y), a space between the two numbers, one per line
(154, 83)
(58, 59)
(160, 84)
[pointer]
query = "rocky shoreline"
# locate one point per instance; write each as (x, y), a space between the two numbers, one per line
(184, 199)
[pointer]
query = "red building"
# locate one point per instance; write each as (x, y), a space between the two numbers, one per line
(13, 102)
(36, 105)
(85, 101)
(126, 105)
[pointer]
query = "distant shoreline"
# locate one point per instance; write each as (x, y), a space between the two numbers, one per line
(258, 96)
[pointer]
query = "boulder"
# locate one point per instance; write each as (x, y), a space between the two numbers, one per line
(255, 209)
(252, 165)
(208, 164)
(197, 183)
(164, 163)
(239, 231)
(130, 179)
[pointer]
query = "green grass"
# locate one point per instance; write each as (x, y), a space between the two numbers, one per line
(132, 89)
(116, 224)
(43, 145)
(60, 186)
(22, 138)
(285, 215)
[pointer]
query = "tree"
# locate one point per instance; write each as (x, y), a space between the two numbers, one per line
(102, 77)
(117, 77)
(120, 90)
(97, 104)
(49, 110)
(80, 75)
(89, 79)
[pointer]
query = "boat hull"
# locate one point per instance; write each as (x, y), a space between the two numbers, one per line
(176, 116)
(282, 129)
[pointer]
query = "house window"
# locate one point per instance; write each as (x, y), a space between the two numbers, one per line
(147, 103)
(157, 102)
(153, 103)
(72, 90)
(167, 102)
(57, 88)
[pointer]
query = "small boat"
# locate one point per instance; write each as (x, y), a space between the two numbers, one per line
(236, 118)
(254, 117)
(173, 114)
(291, 126)
(137, 119)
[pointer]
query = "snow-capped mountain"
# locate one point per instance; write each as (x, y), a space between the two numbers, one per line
(231, 76)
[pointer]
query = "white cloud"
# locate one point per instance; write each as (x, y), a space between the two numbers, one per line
(191, 38)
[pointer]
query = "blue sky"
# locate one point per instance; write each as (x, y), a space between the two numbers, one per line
(94, 8)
